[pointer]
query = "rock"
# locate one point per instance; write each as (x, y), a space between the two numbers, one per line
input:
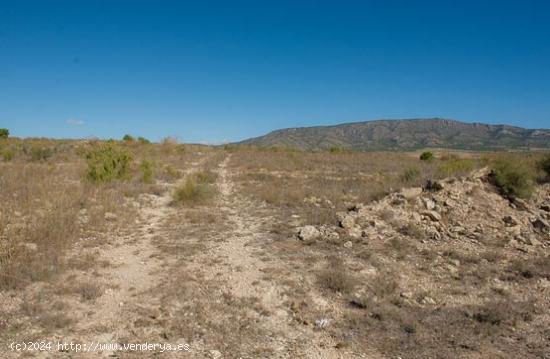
(433, 215)
(347, 222)
(406, 295)
(459, 230)
(428, 300)
(322, 323)
(215, 354)
(530, 241)
(355, 232)
(521, 204)
(428, 203)
(411, 193)
(308, 233)
(510, 221)
(348, 244)
(545, 207)
(111, 217)
(541, 224)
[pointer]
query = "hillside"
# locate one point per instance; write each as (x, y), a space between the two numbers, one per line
(406, 134)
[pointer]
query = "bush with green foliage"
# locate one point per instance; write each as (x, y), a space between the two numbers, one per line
(128, 138)
(147, 173)
(4, 133)
(143, 140)
(107, 162)
(427, 156)
(513, 178)
(544, 165)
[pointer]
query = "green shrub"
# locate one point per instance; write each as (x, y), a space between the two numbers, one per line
(107, 162)
(143, 140)
(39, 153)
(4, 133)
(128, 138)
(544, 165)
(147, 173)
(427, 156)
(513, 178)
(410, 174)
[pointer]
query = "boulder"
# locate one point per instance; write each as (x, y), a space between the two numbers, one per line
(411, 193)
(308, 233)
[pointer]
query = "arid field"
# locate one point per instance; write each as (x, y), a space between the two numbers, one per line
(244, 252)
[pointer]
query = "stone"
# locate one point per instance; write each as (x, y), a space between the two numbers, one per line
(428, 203)
(521, 204)
(215, 354)
(540, 224)
(510, 221)
(347, 222)
(545, 207)
(308, 233)
(432, 215)
(322, 322)
(411, 193)
(111, 217)
(355, 232)
(348, 244)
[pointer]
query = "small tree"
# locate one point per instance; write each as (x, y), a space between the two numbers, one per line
(128, 138)
(427, 156)
(4, 133)
(143, 140)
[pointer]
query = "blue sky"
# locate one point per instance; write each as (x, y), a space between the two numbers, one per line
(209, 71)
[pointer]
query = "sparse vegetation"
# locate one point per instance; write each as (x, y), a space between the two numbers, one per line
(411, 174)
(128, 138)
(147, 171)
(4, 133)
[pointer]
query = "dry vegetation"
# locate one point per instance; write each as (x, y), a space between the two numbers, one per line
(215, 230)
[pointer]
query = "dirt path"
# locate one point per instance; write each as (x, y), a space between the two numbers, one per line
(236, 262)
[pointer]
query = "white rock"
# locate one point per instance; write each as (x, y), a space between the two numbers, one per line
(308, 233)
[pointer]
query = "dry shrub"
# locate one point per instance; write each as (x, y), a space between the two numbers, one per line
(336, 277)
(193, 192)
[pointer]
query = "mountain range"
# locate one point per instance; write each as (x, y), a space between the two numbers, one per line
(407, 134)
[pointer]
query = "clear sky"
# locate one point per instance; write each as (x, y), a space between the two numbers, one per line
(213, 71)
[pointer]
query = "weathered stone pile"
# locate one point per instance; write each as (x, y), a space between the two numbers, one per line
(467, 208)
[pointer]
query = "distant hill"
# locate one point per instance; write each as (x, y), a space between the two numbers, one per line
(407, 134)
